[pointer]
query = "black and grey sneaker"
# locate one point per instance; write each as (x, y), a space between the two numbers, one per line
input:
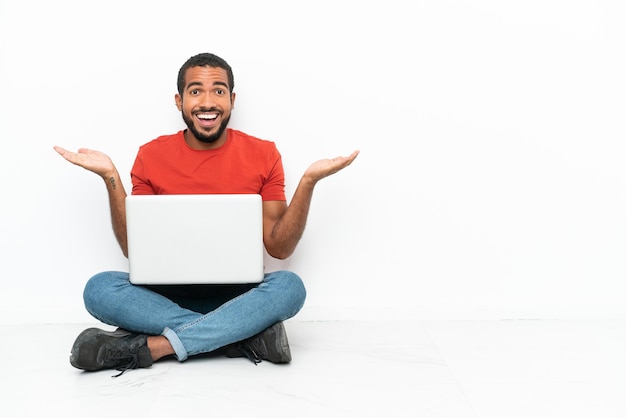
(96, 349)
(271, 345)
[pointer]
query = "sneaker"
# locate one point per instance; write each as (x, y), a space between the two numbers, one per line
(271, 345)
(95, 349)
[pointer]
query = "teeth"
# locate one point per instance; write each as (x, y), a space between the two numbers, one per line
(205, 116)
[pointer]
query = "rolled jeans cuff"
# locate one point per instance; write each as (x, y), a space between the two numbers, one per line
(179, 349)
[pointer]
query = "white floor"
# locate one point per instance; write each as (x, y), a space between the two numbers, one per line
(485, 369)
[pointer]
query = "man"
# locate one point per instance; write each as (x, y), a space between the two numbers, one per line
(207, 157)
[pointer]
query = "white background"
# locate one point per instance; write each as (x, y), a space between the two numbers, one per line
(491, 181)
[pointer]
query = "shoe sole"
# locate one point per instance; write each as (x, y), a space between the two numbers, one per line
(85, 348)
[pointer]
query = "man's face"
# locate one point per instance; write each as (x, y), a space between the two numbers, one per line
(206, 103)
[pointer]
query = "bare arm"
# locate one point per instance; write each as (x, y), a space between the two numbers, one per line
(117, 203)
(283, 225)
(101, 164)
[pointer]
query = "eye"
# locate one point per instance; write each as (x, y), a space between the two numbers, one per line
(220, 92)
(194, 92)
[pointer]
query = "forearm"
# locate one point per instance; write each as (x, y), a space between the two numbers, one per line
(117, 204)
(288, 231)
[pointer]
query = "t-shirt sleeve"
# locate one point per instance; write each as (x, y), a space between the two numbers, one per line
(274, 186)
(138, 178)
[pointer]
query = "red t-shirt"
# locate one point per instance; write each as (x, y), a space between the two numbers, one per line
(244, 164)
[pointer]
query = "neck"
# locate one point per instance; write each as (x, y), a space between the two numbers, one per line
(195, 143)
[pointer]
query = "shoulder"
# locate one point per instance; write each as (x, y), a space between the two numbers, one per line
(242, 137)
(163, 142)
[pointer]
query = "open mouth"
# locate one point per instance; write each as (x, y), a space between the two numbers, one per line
(206, 119)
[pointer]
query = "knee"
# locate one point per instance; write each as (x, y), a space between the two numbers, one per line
(298, 289)
(100, 286)
(292, 287)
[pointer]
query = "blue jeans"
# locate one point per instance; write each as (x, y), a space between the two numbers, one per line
(196, 318)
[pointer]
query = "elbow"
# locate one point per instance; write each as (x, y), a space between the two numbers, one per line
(280, 254)
(124, 249)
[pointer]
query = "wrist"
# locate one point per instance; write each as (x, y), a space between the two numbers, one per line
(112, 179)
(307, 181)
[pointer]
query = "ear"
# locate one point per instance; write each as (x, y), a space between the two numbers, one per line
(232, 100)
(179, 102)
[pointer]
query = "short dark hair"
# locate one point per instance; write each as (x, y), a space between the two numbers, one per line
(205, 59)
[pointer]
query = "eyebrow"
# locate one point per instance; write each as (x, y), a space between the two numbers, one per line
(199, 84)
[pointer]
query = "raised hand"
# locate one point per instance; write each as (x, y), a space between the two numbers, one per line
(88, 159)
(324, 168)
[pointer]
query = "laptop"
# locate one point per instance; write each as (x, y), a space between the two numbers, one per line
(195, 239)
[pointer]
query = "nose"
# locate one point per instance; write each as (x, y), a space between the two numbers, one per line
(207, 100)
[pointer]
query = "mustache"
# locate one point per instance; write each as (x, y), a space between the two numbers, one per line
(207, 110)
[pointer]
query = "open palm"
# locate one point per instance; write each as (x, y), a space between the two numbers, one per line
(88, 159)
(324, 168)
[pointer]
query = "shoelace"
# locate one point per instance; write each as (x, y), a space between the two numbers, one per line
(249, 352)
(132, 361)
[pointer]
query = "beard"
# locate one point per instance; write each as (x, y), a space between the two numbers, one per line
(207, 139)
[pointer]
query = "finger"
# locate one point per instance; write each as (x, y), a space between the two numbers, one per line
(350, 157)
(345, 161)
(59, 149)
(68, 155)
